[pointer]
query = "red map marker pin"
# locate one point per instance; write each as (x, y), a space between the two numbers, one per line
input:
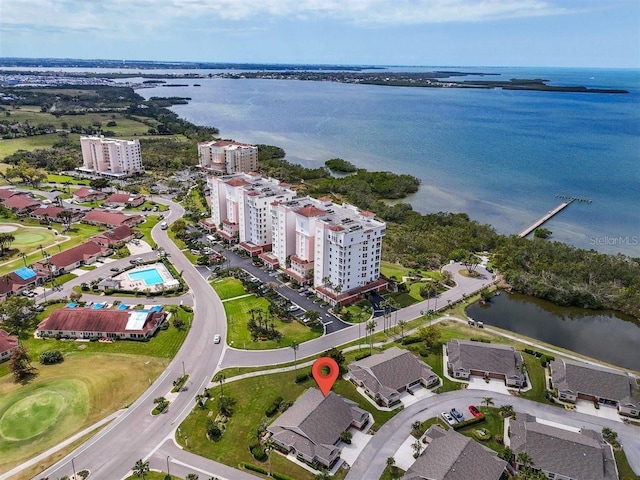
(325, 381)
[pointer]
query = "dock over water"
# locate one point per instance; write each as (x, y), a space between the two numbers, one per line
(551, 213)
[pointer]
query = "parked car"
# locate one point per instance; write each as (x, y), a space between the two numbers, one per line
(216, 338)
(448, 418)
(293, 308)
(114, 269)
(474, 411)
(457, 415)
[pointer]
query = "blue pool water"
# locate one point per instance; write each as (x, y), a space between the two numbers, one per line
(150, 276)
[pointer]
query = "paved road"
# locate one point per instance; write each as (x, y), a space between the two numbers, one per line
(134, 435)
(384, 444)
(255, 358)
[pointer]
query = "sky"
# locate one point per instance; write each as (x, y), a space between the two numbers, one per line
(553, 33)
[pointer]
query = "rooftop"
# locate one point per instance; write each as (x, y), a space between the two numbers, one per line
(466, 355)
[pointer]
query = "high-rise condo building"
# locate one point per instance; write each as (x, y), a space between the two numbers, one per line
(110, 157)
(223, 157)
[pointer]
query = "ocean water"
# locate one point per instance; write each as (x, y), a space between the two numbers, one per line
(501, 156)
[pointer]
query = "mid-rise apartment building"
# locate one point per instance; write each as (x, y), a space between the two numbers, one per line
(223, 157)
(241, 207)
(111, 157)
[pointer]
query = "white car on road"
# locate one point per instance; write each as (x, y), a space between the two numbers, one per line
(217, 338)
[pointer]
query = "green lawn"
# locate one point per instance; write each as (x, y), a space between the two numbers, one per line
(389, 269)
(228, 288)
(494, 423)
(7, 147)
(64, 278)
(250, 412)
(79, 233)
(624, 469)
(392, 474)
(62, 179)
(238, 334)
(145, 228)
(537, 377)
(183, 247)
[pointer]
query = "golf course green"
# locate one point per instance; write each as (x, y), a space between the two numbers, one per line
(32, 412)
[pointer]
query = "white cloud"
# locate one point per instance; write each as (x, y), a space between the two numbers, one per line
(148, 15)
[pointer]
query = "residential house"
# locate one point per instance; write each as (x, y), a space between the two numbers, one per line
(466, 358)
(124, 200)
(87, 323)
(450, 455)
(86, 194)
(21, 204)
(68, 260)
(6, 193)
(386, 375)
(7, 345)
(18, 281)
(115, 237)
(49, 213)
(562, 454)
(111, 219)
(310, 429)
(597, 384)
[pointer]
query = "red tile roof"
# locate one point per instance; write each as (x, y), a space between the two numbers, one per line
(20, 202)
(336, 228)
(84, 192)
(106, 218)
(6, 285)
(74, 254)
(6, 193)
(92, 320)
(310, 211)
(237, 182)
(51, 211)
(116, 235)
(7, 342)
(124, 198)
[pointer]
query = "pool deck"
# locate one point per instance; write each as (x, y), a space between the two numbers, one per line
(139, 285)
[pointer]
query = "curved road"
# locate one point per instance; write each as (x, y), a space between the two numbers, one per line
(113, 451)
(384, 444)
(136, 434)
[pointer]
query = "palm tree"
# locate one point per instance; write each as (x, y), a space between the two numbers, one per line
(525, 460)
(268, 447)
(221, 379)
(506, 410)
(295, 345)
(371, 326)
(391, 463)
(488, 401)
(141, 468)
(402, 324)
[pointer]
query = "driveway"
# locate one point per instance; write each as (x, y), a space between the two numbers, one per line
(494, 385)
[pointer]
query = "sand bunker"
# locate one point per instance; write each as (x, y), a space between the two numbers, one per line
(7, 228)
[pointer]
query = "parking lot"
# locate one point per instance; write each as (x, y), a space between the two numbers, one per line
(301, 300)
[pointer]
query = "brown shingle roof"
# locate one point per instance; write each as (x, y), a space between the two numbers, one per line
(51, 211)
(116, 234)
(6, 193)
(237, 182)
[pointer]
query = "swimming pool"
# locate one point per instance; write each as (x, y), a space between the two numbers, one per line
(150, 276)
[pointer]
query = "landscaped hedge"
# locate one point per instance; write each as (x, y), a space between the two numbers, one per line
(259, 454)
(51, 357)
(255, 468)
(279, 476)
(363, 355)
(410, 340)
(466, 423)
(301, 377)
(483, 340)
(274, 407)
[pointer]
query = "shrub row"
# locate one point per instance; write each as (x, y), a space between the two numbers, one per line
(51, 357)
(274, 407)
(255, 468)
(301, 377)
(468, 422)
(483, 340)
(280, 476)
(360, 356)
(410, 340)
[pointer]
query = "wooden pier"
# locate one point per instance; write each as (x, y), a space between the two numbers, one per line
(567, 201)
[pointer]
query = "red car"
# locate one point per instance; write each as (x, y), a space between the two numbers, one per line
(474, 411)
